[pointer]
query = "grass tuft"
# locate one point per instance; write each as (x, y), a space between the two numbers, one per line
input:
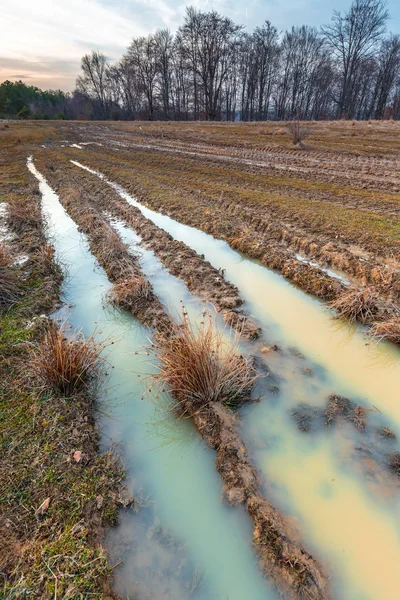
(65, 365)
(394, 462)
(9, 288)
(356, 305)
(388, 330)
(24, 218)
(201, 366)
(133, 293)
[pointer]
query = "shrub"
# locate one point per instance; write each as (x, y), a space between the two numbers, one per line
(299, 130)
(201, 366)
(65, 365)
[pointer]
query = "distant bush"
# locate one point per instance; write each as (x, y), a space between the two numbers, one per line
(299, 130)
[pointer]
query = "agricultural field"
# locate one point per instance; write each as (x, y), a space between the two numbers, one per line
(199, 360)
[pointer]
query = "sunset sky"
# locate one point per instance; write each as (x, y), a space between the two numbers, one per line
(42, 42)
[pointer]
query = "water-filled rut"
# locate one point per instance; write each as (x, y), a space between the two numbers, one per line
(183, 542)
(334, 480)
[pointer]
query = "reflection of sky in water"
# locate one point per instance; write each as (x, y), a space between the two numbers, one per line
(166, 461)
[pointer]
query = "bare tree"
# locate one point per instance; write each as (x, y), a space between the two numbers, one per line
(353, 37)
(388, 70)
(207, 40)
(93, 80)
(142, 56)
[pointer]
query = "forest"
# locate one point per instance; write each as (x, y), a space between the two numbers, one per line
(211, 69)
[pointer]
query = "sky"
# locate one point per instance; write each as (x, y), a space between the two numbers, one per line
(42, 41)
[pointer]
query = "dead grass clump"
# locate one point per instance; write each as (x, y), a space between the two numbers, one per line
(9, 288)
(133, 293)
(299, 130)
(23, 218)
(340, 407)
(388, 330)
(62, 364)
(200, 366)
(356, 305)
(394, 462)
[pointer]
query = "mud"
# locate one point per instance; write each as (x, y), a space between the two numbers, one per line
(272, 253)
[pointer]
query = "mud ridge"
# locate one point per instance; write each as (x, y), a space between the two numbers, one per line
(254, 244)
(200, 277)
(120, 266)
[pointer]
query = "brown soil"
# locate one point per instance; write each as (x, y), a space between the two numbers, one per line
(273, 245)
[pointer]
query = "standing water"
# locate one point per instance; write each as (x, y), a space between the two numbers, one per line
(184, 542)
(345, 500)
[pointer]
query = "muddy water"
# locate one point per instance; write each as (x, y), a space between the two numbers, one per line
(182, 542)
(334, 481)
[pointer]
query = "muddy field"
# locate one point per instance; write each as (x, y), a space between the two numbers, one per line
(116, 228)
(330, 207)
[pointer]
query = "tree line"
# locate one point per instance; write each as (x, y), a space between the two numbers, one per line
(212, 69)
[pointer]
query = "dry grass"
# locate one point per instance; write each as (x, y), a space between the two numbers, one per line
(133, 293)
(388, 330)
(356, 305)
(65, 365)
(340, 407)
(200, 366)
(9, 288)
(24, 218)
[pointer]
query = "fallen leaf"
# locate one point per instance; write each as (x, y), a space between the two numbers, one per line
(44, 506)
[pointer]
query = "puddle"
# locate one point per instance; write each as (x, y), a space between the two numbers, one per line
(210, 553)
(347, 508)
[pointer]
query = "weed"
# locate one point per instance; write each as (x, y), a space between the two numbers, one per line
(133, 293)
(24, 218)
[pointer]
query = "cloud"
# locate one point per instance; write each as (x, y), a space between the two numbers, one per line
(43, 41)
